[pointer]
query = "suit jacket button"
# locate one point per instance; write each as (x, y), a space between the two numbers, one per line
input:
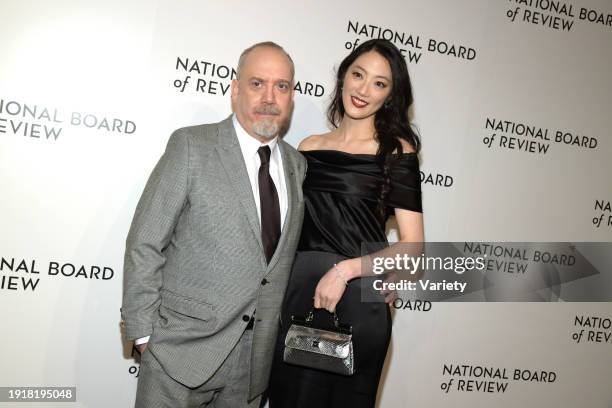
(264, 281)
(246, 318)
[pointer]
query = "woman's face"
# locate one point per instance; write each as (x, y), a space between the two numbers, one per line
(367, 84)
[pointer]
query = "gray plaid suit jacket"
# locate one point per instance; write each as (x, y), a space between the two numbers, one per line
(194, 261)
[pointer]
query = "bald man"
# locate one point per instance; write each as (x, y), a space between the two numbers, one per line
(211, 245)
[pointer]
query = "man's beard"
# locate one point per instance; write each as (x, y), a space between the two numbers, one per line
(266, 127)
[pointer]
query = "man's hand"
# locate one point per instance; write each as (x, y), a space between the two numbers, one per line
(141, 347)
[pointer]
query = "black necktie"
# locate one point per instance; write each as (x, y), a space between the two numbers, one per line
(270, 208)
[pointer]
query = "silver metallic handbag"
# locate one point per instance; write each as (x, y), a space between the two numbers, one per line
(327, 350)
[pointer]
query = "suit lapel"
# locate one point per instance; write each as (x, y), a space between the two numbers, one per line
(228, 149)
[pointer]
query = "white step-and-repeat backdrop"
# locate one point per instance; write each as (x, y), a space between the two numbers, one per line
(512, 100)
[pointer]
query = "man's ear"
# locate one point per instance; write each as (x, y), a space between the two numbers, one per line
(234, 88)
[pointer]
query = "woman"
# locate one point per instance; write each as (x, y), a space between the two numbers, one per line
(358, 174)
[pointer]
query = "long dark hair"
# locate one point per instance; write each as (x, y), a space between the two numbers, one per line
(391, 120)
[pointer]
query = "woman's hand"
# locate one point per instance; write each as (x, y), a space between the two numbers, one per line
(390, 294)
(329, 290)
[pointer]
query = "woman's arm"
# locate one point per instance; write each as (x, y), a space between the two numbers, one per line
(331, 287)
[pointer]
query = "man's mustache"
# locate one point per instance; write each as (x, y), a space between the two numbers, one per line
(268, 110)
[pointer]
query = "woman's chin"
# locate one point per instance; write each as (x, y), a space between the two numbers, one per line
(358, 114)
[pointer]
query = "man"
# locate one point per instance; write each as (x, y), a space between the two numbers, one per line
(211, 245)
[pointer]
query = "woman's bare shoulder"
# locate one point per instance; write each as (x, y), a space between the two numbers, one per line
(313, 142)
(406, 147)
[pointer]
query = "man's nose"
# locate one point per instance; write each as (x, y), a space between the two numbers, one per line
(269, 96)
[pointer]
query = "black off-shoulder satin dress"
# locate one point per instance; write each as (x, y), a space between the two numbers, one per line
(341, 193)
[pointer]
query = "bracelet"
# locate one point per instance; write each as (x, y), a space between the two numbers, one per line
(340, 274)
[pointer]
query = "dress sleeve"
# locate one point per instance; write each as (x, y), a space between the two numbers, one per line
(405, 190)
